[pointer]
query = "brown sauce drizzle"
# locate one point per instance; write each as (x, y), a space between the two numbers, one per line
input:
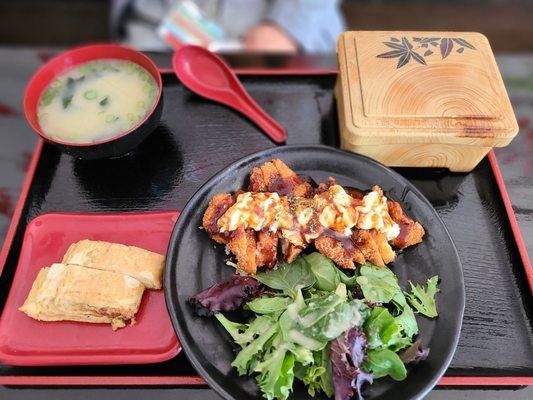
(401, 239)
(220, 208)
(257, 210)
(346, 241)
(313, 227)
(283, 186)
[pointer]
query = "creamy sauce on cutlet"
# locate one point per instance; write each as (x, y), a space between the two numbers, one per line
(302, 220)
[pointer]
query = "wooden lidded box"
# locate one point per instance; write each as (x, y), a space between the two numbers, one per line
(421, 99)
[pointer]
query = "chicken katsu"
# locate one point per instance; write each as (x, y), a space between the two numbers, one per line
(282, 214)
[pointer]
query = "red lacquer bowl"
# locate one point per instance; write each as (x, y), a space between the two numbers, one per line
(119, 144)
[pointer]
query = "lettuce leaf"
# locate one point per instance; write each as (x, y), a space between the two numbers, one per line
(268, 305)
(243, 334)
(321, 318)
(288, 277)
(424, 300)
(311, 327)
(324, 270)
(249, 355)
(383, 331)
(277, 369)
(383, 362)
(406, 317)
(235, 329)
(379, 285)
(347, 356)
(302, 354)
(317, 375)
(276, 373)
(290, 328)
(226, 296)
(349, 281)
(327, 274)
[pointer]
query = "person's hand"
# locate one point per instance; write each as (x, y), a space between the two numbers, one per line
(269, 38)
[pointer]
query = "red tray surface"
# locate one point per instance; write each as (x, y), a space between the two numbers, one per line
(25, 341)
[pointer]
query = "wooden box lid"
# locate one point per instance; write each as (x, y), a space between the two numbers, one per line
(398, 87)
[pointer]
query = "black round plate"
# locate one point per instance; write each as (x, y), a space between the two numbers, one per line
(195, 262)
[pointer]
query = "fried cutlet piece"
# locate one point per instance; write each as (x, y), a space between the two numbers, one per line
(374, 246)
(293, 226)
(276, 176)
(411, 232)
(267, 247)
(343, 255)
(143, 265)
(324, 186)
(292, 252)
(376, 188)
(253, 250)
(355, 193)
(385, 250)
(243, 244)
(217, 207)
(73, 293)
(289, 251)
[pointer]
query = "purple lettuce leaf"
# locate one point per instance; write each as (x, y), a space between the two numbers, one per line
(226, 296)
(347, 355)
(414, 353)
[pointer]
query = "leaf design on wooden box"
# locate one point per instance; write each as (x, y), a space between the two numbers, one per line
(392, 54)
(405, 51)
(464, 43)
(397, 46)
(406, 43)
(417, 57)
(446, 46)
(404, 59)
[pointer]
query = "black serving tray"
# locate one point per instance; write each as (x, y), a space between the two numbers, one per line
(197, 138)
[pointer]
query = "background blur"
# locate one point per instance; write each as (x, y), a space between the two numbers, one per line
(507, 23)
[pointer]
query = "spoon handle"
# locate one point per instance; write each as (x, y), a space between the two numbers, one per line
(269, 125)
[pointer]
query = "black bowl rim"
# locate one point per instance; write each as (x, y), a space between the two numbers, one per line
(458, 321)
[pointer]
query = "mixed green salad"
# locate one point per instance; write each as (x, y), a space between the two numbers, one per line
(310, 321)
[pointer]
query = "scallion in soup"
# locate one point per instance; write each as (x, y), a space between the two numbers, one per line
(96, 100)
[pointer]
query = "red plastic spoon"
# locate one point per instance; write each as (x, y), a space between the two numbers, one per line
(206, 74)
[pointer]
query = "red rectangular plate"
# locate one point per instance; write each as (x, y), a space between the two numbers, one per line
(25, 341)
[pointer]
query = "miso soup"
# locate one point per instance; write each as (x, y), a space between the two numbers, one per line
(96, 100)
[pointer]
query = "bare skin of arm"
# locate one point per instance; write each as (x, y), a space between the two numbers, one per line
(269, 37)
